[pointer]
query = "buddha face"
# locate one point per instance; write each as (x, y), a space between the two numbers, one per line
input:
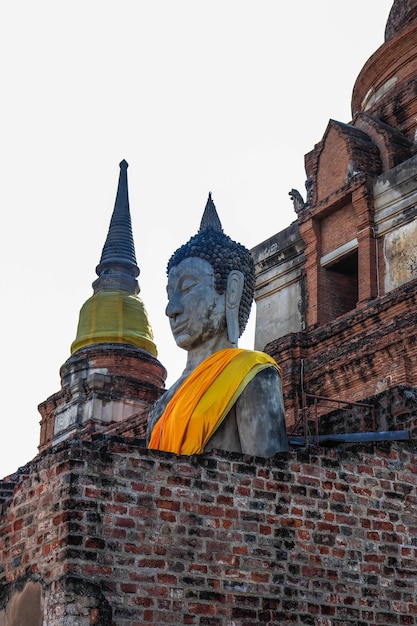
(196, 311)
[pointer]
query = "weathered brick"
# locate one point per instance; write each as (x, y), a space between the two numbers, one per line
(344, 551)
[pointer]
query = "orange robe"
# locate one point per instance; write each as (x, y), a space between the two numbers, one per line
(204, 399)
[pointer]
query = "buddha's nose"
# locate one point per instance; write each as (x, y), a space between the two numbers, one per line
(174, 306)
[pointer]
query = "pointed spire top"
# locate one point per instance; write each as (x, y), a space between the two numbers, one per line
(210, 218)
(119, 246)
(118, 256)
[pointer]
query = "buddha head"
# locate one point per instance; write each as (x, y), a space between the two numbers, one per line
(222, 274)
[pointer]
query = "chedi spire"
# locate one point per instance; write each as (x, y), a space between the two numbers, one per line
(118, 267)
(115, 313)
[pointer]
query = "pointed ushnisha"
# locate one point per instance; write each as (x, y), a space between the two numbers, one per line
(210, 218)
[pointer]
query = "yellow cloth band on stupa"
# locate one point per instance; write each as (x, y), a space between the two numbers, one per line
(205, 398)
(114, 316)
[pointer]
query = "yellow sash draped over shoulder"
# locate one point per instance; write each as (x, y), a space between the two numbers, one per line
(204, 399)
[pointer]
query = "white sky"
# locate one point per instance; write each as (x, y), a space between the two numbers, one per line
(223, 95)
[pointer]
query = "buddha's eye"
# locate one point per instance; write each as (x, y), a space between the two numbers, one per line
(187, 285)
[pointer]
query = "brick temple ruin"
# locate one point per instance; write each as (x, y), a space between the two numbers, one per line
(97, 529)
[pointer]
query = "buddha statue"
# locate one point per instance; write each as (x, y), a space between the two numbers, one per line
(227, 398)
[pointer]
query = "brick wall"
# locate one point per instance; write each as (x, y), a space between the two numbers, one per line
(349, 358)
(117, 534)
(338, 293)
(386, 86)
(338, 228)
(101, 384)
(331, 163)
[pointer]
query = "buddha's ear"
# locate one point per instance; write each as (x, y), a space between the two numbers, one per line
(234, 291)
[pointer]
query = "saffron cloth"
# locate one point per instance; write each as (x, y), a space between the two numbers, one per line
(204, 399)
